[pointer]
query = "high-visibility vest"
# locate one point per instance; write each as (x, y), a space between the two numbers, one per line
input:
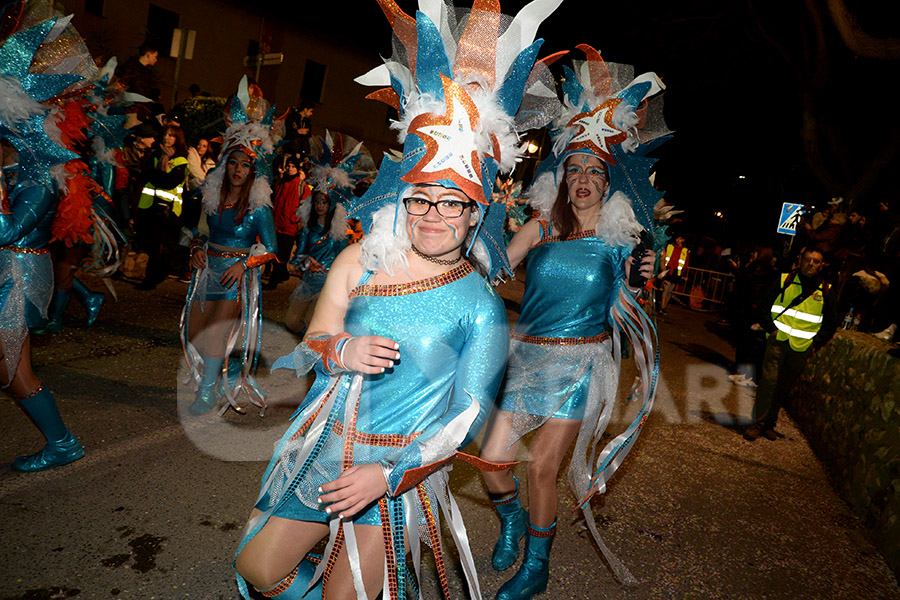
(682, 258)
(151, 192)
(798, 324)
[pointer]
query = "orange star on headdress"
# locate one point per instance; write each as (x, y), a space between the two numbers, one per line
(597, 130)
(451, 151)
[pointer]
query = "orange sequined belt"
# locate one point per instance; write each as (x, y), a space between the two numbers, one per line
(392, 440)
(19, 250)
(560, 341)
(220, 254)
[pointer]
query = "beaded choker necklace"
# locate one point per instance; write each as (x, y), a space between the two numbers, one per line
(437, 261)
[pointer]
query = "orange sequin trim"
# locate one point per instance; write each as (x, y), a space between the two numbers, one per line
(19, 250)
(435, 536)
(577, 236)
(281, 587)
(221, 254)
(560, 341)
(390, 440)
(413, 287)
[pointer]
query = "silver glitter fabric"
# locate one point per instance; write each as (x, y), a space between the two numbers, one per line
(26, 283)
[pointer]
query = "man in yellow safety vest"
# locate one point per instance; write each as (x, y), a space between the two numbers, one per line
(674, 266)
(799, 319)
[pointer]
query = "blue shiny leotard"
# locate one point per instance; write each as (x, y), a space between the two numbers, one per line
(230, 243)
(453, 333)
(26, 271)
(316, 243)
(570, 287)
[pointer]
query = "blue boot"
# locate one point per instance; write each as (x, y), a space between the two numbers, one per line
(534, 573)
(62, 447)
(90, 300)
(207, 398)
(57, 308)
(512, 529)
(293, 586)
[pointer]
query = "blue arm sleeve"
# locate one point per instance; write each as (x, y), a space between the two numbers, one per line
(265, 227)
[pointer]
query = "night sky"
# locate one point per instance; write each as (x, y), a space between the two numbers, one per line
(740, 77)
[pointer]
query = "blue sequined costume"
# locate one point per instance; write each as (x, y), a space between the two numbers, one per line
(452, 332)
(318, 244)
(570, 288)
(26, 272)
(230, 242)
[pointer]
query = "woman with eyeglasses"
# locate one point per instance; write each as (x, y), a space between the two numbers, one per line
(411, 339)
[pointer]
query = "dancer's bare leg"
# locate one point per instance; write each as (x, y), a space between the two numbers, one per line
(370, 542)
(499, 483)
(277, 550)
(550, 444)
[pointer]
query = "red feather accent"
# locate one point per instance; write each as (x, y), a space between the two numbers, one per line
(72, 222)
(121, 173)
(72, 121)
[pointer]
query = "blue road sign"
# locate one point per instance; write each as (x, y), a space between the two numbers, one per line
(790, 217)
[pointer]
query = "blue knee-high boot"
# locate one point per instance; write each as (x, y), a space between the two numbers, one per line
(513, 523)
(90, 300)
(207, 398)
(294, 585)
(534, 573)
(62, 447)
(55, 314)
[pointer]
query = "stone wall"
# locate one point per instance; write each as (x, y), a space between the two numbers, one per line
(848, 406)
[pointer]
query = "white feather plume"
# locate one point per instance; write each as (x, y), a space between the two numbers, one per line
(381, 250)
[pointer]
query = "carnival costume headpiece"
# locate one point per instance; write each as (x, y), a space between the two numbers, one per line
(464, 84)
(42, 58)
(251, 129)
(610, 114)
(335, 172)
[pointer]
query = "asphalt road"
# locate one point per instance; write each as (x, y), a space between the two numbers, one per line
(156, 507)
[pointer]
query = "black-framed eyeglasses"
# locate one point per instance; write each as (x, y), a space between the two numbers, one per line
(449, 209)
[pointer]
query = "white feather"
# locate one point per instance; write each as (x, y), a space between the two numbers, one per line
(339, 223)
(16, 106)
(617, 225)
(381, 250)
(522, 31)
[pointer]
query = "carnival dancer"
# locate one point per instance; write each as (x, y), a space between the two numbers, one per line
(223, 311)
(324, 233)
(83, 224)
(408, 339)
(41, 58)
(564, 365)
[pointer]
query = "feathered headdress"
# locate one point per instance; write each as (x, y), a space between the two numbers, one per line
(610, 114)
(251, 130)
(336, 171)
(464, 83)
(42, 58)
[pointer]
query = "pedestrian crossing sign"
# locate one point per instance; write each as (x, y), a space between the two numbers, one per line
(790, 216)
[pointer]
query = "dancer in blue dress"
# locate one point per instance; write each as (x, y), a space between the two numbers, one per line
(324, 233)
(564, 359)
(34, 69)
(223, 312)
(408, 338)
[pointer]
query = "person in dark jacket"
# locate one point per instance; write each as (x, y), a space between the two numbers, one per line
(799, 317)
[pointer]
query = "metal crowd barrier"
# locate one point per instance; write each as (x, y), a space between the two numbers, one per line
(713, 283)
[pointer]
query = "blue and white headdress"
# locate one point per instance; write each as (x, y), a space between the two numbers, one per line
(41, 57)
(251, 130)
(617, 117)
(464, 83)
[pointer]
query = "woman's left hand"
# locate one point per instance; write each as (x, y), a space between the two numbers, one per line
(354, 489)
(646, 266)
(232, 274)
